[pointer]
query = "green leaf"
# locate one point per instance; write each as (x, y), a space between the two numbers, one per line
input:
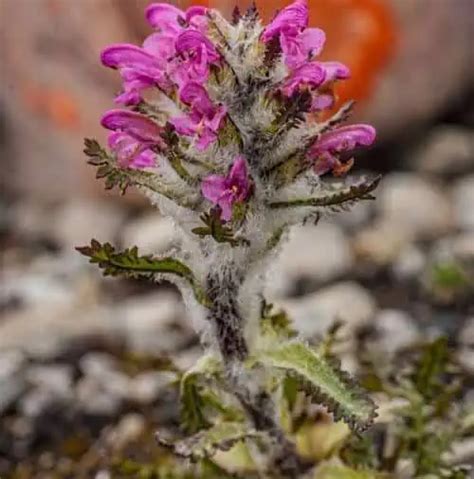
(275, 325)
(335, 197)
(131, 264)
(204, 444)
(324, 381)
(197, 397)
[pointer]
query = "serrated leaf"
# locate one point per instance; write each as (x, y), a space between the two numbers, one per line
(204, 444)
(324, 381)
(129, 263)
(197, 398)
(335, 197)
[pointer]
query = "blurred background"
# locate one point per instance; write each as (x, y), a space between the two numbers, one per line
(398, 270)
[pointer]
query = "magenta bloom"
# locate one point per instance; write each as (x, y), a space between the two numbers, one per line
(129, 152)
(225, 191)
(204, 119)
(289, 21)
(169, 19)
(307, 76)
(327, 149)
(135, 125)
(195, 54)
(140, 68)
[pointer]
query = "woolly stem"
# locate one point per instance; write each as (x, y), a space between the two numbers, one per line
(247, 387)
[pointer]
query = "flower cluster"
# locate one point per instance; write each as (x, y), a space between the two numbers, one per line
(201, 89)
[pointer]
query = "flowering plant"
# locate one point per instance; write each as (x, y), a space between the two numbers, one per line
(229, 128)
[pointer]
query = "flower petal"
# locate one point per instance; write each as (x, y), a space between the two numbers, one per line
(213, 187)
(165, 17)
(192, 40)
(291, 19)
(195, 95)
(238, 176)
(335, 71)
(313, 40)
(134, 124)
(345, 139)
(125, 55)
(308, 74)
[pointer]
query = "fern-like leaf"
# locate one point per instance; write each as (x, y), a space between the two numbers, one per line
(129, 263)
(324, 381)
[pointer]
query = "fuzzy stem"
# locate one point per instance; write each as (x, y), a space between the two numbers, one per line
(228, 328)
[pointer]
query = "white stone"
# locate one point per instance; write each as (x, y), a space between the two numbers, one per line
(409, 263)
(466, 335)
(147, 322)
(78, 221)
(54, 378)
(463, 195)
(146, 387)
(395, 330)
(312, 253)
(411, 202)
(448, 149)
(152, 233)
(315, 313)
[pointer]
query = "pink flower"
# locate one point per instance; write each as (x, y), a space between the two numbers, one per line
(326, 151)
(129, 152)
(301, 47)
(307, 76)
(225, 191)
(290, 21)
(140, 68)
(169, 19)
(135, 125)
(195, 55)
(204, 118)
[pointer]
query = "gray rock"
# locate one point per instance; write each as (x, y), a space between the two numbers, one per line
(466, 335)
(409, 263)
(463, 195)
(12, 381)
(31, 219)
(383, 242)
(78, 221)
(152, 233)
(448, 149)
(315, 313)
(36, 402)
(147, 387)
(149, 323)
(437, 76)
(395, 330)
(94, 399)
(465, 357)
(130, 428)
(312, 254)
(56, 378)
(95, 365)
(411, 202)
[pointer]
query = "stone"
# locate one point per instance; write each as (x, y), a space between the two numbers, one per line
(312, 254)
(382, 243)
(395, 330)
(466, 335)
(447, 150)
(36, 401)
(465, 357)
(346, 301)
(463, 196)
(12, 381)
(146, 387)
(130, 428)
(55, 378)
(152, 233)
(153, 323)
(409, 201)
(409, 263)
(93, 399)
(77, 221)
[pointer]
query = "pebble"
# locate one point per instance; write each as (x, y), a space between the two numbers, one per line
(130, 428)
(78, 221)
(147, 387)
(56, 378)
(93, 398)
(447, 150)
(12, 382)
(463, 196)
(382, 243)
(406, 200)
(153, 323)
(409, 263)
(395, 330)
(152, 233)
(312, 254)
(346, 301)
(466, 335)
